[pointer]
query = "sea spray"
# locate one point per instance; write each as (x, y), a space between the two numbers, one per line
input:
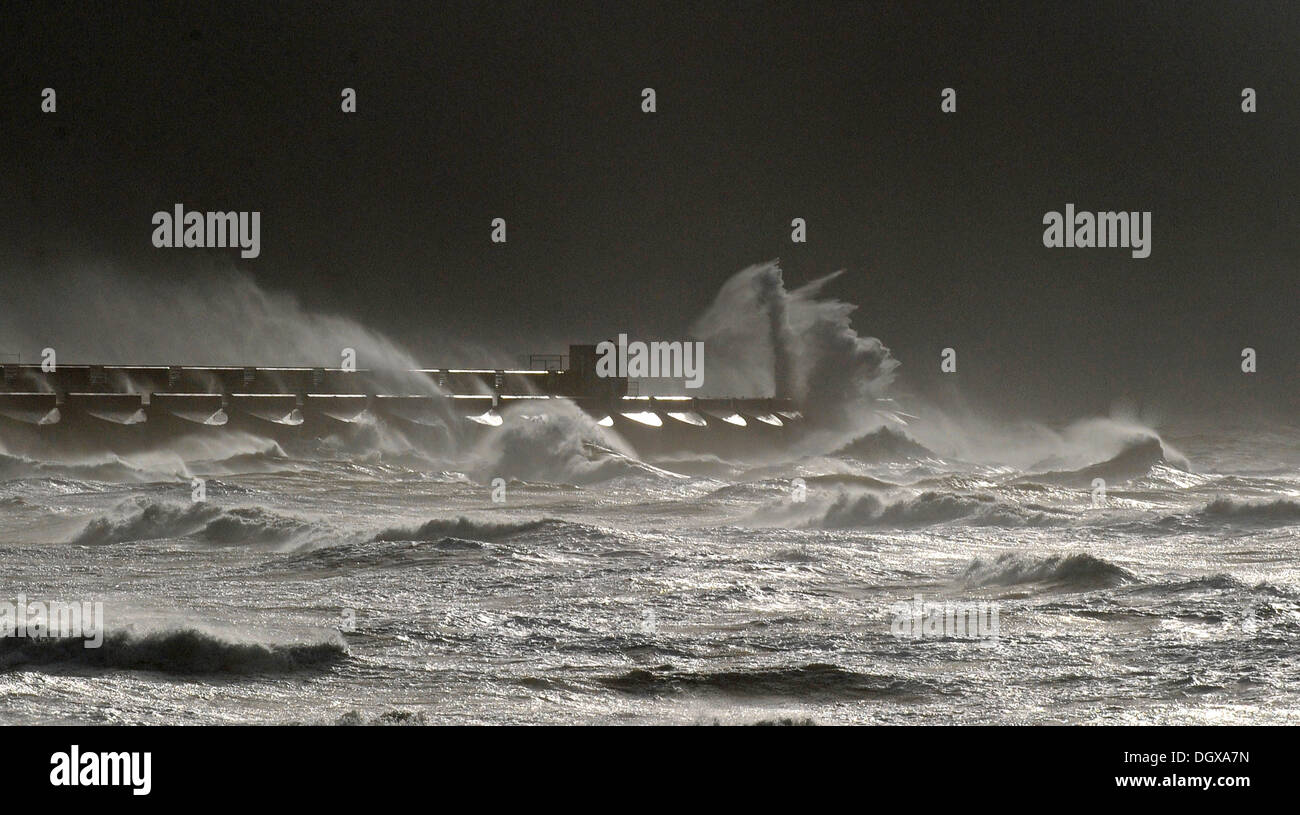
(797, 344)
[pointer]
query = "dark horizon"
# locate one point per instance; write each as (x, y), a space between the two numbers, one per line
(625, 222)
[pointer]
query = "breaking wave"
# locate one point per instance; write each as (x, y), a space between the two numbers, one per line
(849, 511)
(1280, 512)
(1077, 571)
(186, 651)
(1138, 458)
(884, 445)
(141, 519)
(110, 468)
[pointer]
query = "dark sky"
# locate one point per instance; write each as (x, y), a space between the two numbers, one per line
(622, 221)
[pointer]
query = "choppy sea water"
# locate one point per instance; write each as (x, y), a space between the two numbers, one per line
(323, 588)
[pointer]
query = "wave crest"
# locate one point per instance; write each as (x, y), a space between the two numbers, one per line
(1078, 571)
(884, 444)
(151, 520)
(185, 651)
(1281, 511)
(850, 511)
(1138, 458)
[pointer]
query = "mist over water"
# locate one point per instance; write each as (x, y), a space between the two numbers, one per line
(198, 316)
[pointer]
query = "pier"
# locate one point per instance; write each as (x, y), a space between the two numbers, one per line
(213, 396)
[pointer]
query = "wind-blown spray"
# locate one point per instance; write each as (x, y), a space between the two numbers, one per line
(796, 344)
